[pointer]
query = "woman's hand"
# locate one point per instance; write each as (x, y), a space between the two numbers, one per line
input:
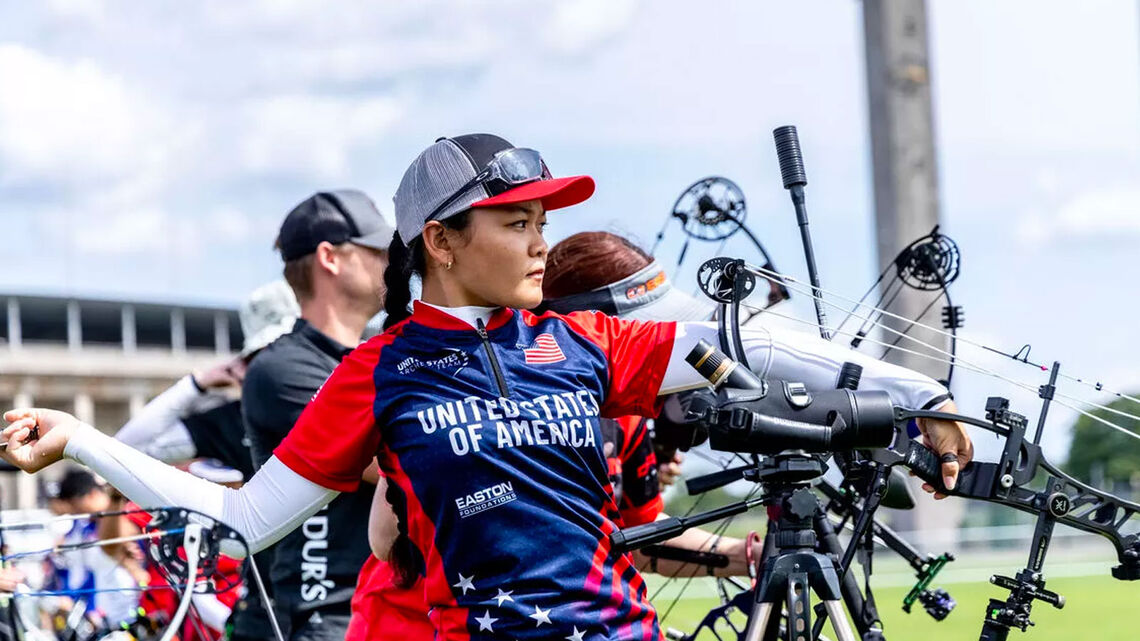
(668, 471)
(36, 437)
(951, 442)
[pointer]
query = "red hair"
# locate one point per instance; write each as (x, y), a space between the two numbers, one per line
(589, 260)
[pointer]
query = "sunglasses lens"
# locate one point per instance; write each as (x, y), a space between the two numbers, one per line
(520, 165)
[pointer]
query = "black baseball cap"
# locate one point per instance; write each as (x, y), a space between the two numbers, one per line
(340, 216)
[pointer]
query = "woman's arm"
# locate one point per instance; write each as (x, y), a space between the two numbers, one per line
(801, 357)
(275, 501)
(808, 359)
(699, 540)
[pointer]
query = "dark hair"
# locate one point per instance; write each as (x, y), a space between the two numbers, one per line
(299, 274)
(76, 484)
(405, 558)
(405, 260)
(589, 260)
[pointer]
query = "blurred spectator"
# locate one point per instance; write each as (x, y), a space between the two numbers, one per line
(194, 417)
(101, 579)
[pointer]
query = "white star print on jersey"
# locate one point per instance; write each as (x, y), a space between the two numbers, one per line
(577, 636)
(540, 616)
(504, 596)
(465, 583)
(485, 622)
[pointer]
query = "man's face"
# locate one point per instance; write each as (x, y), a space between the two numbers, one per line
(362, 278)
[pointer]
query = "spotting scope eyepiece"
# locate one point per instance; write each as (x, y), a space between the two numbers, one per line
(720, 370)
(768, 417)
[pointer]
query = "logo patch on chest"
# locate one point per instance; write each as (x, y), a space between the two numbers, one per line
(452, 359)
(544, 350)
(485, 499)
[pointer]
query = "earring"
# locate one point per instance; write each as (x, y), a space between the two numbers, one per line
(449, 265)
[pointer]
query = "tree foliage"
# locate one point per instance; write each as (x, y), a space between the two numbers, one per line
(1096, 446)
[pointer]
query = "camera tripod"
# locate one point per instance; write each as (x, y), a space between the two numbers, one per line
(800, 559)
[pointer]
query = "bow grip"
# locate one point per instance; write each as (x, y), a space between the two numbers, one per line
(925, 464)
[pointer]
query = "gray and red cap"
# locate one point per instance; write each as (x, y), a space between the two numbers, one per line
(443, 175)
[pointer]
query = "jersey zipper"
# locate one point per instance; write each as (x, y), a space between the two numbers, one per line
(482, 329)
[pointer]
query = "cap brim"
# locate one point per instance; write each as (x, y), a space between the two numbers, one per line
(675, 305)
(555, 193)
(266, 335)
(380, 239)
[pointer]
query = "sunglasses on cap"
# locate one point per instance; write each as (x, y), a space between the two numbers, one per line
(507, 170)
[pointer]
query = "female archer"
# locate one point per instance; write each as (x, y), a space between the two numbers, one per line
(484, 416)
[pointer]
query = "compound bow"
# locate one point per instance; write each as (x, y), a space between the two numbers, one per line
(185, 547)
(930, 263)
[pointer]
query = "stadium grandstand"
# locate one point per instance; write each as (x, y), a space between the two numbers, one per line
(100, 359)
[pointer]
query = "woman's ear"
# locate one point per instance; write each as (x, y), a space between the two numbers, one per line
(437, 245)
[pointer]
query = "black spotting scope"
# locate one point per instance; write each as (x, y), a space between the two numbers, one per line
(767, 417)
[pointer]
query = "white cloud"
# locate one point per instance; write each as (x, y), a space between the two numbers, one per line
(577, 26)
(312, 134)
(71, 121)
(83, 10)
(1110, 213)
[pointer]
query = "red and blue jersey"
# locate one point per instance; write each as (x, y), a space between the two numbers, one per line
(383, 609)
(495, 447)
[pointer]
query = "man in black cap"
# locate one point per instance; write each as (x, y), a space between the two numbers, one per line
(334, 245)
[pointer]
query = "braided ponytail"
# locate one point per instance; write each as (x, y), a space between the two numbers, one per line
(397, 277)
(405, 558)
(403, 262)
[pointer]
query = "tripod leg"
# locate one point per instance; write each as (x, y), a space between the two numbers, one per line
(772, 631)
(799, 608)
(758, 622)
(839, 621)
(862, 609)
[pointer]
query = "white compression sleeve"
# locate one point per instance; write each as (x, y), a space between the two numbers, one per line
(169, 443)
(797, 356)
(158, 429)
(273, 503)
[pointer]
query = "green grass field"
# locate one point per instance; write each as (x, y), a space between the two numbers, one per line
(1097, 606)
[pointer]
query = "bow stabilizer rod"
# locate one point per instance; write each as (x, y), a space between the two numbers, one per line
(792, 171)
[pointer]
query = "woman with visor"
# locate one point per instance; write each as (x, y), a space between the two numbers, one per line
(484, 417)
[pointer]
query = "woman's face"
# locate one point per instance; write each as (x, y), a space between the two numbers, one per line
(503, 259)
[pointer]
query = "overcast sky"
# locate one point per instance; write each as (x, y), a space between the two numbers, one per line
(149, 150)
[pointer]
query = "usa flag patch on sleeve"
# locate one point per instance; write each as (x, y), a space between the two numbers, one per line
(544, 350)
